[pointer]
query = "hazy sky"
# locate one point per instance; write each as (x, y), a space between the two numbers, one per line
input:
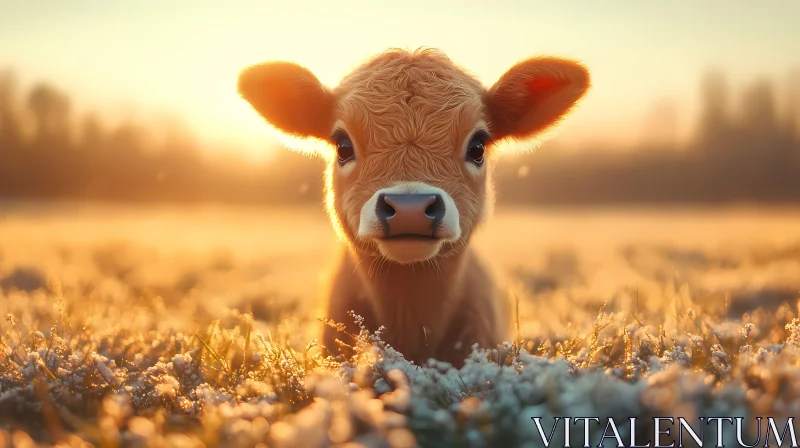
(184, 56)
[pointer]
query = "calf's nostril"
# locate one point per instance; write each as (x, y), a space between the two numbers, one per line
(436, 209)
(385, 210)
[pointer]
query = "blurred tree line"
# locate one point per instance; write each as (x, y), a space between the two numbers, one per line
(47, 152)
(744, 154)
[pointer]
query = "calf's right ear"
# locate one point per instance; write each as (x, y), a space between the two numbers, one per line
(290, 98)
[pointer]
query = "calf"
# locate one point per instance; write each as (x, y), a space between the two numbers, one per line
(410, 141)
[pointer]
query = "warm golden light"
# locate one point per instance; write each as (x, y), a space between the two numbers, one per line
(164, 266)
(185, 57)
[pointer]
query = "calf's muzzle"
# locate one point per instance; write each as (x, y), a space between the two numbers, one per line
(410, 215)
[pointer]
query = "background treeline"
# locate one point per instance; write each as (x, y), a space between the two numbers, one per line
(746, 148)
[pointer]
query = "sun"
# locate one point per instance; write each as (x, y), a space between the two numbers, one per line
(222, 115)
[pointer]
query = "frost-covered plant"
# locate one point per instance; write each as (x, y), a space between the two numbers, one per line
(105, 364)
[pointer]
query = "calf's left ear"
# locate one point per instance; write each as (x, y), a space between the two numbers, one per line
(534, 95)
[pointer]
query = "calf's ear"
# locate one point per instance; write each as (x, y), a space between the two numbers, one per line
(290, 98)
(534, 95)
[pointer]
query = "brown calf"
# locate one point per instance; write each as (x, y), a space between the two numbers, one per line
(410, 140)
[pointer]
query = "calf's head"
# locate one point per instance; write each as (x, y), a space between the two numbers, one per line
(409, 139)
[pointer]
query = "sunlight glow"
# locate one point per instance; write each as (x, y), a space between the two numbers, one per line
(188, 59)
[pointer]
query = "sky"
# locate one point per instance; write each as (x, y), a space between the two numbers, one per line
(150, 59)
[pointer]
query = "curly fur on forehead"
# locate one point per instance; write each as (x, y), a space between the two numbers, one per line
(418, 98)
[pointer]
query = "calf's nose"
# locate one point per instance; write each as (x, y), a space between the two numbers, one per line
(410, 214)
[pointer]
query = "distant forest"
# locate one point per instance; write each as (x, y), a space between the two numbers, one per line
(46, 152)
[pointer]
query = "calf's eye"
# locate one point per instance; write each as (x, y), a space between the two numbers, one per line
(477, 147)
(345, 151)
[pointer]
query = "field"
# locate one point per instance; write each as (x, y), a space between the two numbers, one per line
(159, 326)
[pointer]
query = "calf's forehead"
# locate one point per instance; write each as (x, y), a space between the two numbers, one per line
(406, 99)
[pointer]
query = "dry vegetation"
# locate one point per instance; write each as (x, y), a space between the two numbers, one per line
(191, 328)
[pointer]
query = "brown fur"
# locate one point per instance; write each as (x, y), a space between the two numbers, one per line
(410, 115)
